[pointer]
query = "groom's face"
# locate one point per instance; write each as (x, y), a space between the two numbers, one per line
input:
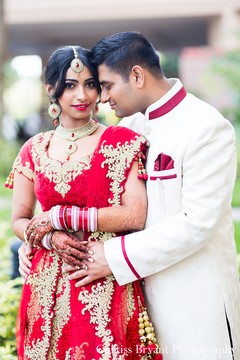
(118, 92)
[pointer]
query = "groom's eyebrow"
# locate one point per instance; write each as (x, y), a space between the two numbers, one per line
(104, 82)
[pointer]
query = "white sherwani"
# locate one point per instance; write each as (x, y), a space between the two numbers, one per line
(187, 252)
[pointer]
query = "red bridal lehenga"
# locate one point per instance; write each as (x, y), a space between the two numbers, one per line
(58, 321)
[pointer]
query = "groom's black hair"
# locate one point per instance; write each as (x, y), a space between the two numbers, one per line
(121, 51)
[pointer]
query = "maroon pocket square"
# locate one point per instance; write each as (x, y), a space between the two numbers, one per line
(163, 162)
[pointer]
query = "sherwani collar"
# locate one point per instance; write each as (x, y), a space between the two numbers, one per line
(167, 102)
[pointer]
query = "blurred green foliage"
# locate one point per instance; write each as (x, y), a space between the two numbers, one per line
(227, 66)
(237, 129)
(169, 63)
(9, 301)
(10, 290)
(10, 74)
(237, 235)
(236, 193)
(8, 152)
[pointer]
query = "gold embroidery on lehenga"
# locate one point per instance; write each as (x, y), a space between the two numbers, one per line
(78, 353)
(61, 174)
(23, 169)
(98, 301)
(43, 284)
(62, 314)
(101, 236)
(118, 159)
(130, 301)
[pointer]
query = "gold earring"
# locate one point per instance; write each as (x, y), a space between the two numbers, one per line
(54, 110)
(94, 112)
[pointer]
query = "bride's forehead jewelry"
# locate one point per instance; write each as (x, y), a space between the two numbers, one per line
(76, 64)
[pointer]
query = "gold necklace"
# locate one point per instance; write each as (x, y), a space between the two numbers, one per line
(71, 135)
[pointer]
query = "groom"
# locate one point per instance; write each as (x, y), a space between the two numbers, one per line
(187, 253)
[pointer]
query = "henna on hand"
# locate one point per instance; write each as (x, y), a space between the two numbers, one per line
(70, 248)
(37, 227)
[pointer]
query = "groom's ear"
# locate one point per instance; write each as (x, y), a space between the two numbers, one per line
(138, 75)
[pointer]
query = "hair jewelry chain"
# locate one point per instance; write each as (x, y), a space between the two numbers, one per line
(76, 64)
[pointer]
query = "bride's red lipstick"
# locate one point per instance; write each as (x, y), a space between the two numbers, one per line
(80, 107)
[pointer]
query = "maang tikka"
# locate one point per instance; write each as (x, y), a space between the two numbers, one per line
(76, 64)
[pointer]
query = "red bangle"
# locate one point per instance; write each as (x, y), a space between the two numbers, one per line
(83, 219)
(68, 217)
(61, 217)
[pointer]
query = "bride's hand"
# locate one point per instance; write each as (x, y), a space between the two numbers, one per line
(24, 253)
(37, 227)
(70, 248)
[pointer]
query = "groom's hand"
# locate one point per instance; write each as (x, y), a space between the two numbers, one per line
(93, 268)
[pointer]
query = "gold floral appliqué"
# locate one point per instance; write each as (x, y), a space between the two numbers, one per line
(118, 159)
(98, 301)
(43, 284)
(61, 174)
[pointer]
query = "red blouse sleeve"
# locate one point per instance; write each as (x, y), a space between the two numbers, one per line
(23, 164)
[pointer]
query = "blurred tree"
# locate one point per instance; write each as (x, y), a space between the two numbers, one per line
(10, 75)
(2, 58)
(228, 67)
(169, 62)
